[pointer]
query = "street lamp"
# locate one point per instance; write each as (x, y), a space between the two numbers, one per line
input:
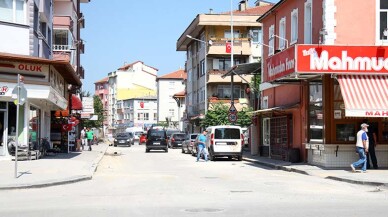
(205, 65)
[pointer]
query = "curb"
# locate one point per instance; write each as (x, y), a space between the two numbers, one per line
(288, 169)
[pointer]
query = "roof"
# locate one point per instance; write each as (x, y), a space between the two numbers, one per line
(257, 10)
(62, 66)
(104, 80)
(127, 66)
(179, 74)
(260, 19)
(180, 94)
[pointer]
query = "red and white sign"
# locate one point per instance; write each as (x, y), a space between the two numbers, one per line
(232, 117)
(3, 90)
(342, 59)
(279, 65)
(141, 104)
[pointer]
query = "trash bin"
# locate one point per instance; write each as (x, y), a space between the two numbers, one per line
(294, 155)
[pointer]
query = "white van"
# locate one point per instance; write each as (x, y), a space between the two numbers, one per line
(224, 141)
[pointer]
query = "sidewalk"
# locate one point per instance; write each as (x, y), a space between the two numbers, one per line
(58, 169)
(371, 177)
(80, 166)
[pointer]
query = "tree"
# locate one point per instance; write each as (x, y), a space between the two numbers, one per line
(99, 111)
(218, 115)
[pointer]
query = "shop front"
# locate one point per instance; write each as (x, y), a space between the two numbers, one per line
(46, 84)
(337, 88)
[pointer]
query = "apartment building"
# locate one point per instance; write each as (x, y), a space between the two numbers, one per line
(27, 49)
(323, 74)
(169, 107)
(129, 81)
(207, 43)
(102, 91)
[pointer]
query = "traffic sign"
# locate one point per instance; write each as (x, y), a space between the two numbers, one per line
(232, 109)
(22, 94)
(232, 117)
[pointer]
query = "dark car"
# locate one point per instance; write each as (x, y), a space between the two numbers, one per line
(176, 140)
(123, 139)
(189, 144)
(156, 139)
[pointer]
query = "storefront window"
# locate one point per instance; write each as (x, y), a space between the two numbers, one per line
(385, 129)
(345, 132)
(316, 113)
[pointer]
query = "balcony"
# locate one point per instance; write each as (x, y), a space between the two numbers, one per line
(62, 55)
(241, 46)
(214, 76)
(62, 21)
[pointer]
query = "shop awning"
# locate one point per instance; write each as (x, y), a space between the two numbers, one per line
(364, 95)
(273, 109)
(76, 103)
(244, 69)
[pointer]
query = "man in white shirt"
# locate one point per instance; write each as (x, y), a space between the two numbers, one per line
(83, 138)
(361, 148)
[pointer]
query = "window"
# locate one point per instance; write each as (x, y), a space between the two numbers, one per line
(224, 64)
(266, 131)
(61, 37)
(142, 116)
(202, 67)
(271, 42)
(383, 19)
(155, 116)
(256, 35)
(13, 11)
(294, 26)
(316, 113)
(36, 18)
(236, 34)
(224, 92)
(264, 104)
(282, 33)
(308, 22)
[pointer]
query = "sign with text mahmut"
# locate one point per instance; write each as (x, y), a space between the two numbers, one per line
(279, 65)
(342, 59)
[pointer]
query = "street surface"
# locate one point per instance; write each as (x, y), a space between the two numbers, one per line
(135, 183)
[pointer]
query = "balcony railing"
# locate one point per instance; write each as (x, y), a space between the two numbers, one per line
(241, 46)
(61, 47)
(214, 76)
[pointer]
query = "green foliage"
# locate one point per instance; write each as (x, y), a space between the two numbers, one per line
(98, 110)
(218, 115)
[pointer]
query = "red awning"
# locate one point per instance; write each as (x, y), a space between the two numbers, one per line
(76, 103)
(364, 95)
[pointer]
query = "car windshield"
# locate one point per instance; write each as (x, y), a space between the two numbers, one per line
(122, 135)
(179, 136)
(227, 133)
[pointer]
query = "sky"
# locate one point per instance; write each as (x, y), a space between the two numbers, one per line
(119, 32)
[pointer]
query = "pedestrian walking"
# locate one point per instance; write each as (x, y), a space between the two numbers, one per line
(83, 138)
(372, 138)
(361, 148)
(201, 145)
(89, 136)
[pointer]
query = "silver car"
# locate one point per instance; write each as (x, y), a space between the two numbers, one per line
(188, 146)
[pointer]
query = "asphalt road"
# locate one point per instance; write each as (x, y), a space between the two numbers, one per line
(135, 183)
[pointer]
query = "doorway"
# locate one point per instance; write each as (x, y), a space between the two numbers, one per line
(2, 134)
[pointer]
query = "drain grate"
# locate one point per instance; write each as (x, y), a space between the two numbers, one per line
(205, 210)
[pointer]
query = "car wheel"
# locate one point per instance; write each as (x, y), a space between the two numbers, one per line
(129, 145)
(211, 156)
(114, 145)
(239, 158)
(183, 151)
(166, 149)
(147, 150)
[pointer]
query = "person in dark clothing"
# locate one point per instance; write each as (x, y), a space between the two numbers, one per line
(372, 136)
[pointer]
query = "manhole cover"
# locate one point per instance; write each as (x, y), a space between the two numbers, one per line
(207, 210)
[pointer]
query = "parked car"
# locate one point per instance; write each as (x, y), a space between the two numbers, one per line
(143, 138)
(156, 139)
(224, 141)
(189, 144)
(171, 131)
(123, 139)
(176, 140)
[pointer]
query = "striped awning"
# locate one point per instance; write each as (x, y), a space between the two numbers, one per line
(364, 95)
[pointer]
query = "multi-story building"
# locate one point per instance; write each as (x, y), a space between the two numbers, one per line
(138, 112)
(102, 91)
(207, 42)
(168, 108)
(323, 74)
(27, 50)
(130, 81)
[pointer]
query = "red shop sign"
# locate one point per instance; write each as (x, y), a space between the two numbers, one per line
(342, 59)
(280, 64)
